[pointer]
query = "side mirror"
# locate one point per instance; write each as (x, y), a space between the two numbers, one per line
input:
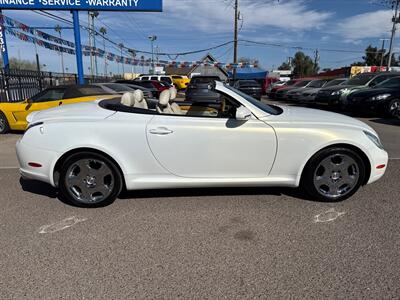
(243, 114)
(29, 101)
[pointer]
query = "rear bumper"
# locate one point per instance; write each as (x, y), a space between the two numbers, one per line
(45, 158)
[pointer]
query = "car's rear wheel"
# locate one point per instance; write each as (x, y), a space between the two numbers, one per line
(4, 126)
(90, 180)
(333, 174)
(394, 108)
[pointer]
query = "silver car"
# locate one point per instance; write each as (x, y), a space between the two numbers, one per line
(308, 95)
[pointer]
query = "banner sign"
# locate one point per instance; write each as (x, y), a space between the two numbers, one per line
(14, 23)
(101, 5)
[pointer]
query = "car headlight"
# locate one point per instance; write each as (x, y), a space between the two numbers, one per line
(380, 97)
(373, 138)
(335, 93)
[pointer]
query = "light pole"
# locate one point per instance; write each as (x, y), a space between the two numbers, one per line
(93, 58)
(152, 38)
(58, 29)
(103, 32)
(235, 39)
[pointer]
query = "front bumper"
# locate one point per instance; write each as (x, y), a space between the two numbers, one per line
(377, 158)
(47, 159)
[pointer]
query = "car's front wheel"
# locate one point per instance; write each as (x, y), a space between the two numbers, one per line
(89, 180)
(333, 174)
(4, 126)
(394, 108)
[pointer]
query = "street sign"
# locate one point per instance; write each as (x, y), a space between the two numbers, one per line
(100, 5)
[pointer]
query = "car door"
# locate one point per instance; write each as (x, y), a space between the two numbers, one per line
(210, 147)
(47, 99)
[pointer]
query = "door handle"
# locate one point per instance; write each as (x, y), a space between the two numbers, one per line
(161, 131)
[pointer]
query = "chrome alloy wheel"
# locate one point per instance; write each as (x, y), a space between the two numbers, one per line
(394, 108)
(336, 175)
(2, 124)
(89, 180)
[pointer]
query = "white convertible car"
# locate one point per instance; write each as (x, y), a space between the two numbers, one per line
(93, 150)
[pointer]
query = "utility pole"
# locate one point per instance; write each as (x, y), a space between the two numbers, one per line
(395, 20)
(382, 52)
(316, 60)
(58, 29)
(235, 39)
(121, 46)
(133, 53)
(103, 32)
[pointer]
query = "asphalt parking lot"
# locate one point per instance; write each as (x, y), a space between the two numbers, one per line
(201, 244)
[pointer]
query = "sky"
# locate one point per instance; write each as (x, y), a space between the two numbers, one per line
(186, 25)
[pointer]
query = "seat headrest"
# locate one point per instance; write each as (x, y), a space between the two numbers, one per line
(164, 97)
(173, 92)
(128, 99)
(139, 96)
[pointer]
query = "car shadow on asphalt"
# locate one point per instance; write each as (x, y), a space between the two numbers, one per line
(393, 122)
(46, 190)
(210, 192)
(38, 188)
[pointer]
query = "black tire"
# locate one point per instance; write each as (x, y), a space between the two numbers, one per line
(69, 193)
(393, 109)
(4, 126)
(311, 176)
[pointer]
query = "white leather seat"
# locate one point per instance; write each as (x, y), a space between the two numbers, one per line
(175, 107)
(163, 105)
(140, 102)
(128, 99)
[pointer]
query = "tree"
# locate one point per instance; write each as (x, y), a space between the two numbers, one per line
(373, 57)
(303, 65)
(21, 64)
(284, 66)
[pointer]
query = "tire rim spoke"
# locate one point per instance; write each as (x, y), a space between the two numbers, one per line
(89, 180)
(336, 175)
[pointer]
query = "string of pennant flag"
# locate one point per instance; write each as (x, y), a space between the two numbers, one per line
(47, 41)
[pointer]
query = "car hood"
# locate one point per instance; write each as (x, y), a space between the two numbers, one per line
(310, 90)
(341, 87)
(84, 111)
(372, 92)
(315, 117)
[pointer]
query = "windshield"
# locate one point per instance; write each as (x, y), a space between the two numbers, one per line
(389, 83)
(302, 83)
(264, 107)
(335, 82)
(118, 87)
(360, 79)
(316, 83)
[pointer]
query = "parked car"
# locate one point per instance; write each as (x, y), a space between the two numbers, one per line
(180, 82)
(329, 155)
(143, 83)
(309, 94)
(249, 87)
(162, 78)
(336, 95)
(199, 89)
(293, 94)
(13, 114)
(272, 93)
(120, 88)
(384, 98)
(268, 83)
(281, 93)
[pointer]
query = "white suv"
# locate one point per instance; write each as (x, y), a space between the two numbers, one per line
(162, 78)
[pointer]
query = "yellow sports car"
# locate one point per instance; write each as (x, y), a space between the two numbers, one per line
(180, 82)
(13, 114)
